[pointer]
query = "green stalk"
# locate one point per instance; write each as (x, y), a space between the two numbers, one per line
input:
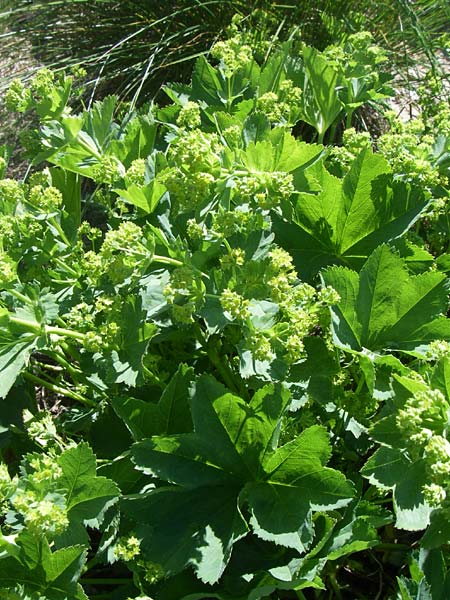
(331, 139)
(19, 296)
(334, 585)
(222, 366)
(393, 547)
(76, 335)
(166, 260)
(348, 121)
(58, 389)
(62, 264)
(32, 327)
(60, 230)
(61, 360)
(47, 329)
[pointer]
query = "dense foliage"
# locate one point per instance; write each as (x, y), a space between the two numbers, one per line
(224, 350)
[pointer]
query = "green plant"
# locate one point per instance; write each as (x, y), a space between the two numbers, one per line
(234, 382)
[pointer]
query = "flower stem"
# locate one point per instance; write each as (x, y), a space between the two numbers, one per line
(58, 389)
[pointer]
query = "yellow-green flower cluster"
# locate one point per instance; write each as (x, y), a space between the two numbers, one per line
(359, 49)
(283, 107)
(234, 258)
(152, 574)
(46, 199)
(188, 190)
(107, 170)
(7, 484)
(353, 142)
(264, 189)
(228, 222)
(423, 422)
(183, 313)
(189, 116)
(12, 193)
(8, 269)
(423, 415)
(185, 292)
(194, 230)
(124, 252)
(196, 151)
(233, 54)
(127, 548)
(184, 281)
(409, 150)
(273, 280)
(34, 499)
(80, 317)
(258, 342)
(44, 468)
(43, 516)
(40, 428)
(438, 349)
(18, 98)
(135, 174)
(232, 136)
(437, 457)
(43, 82)
(234, 304)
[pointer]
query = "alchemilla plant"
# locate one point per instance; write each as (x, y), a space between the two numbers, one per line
(225, 350)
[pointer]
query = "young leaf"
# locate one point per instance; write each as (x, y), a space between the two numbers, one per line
(99, 122)
(321, 104)
(16, 347)
(145, 197)
(88, 495)
(256, 128)
(347, 219)
(384, 307)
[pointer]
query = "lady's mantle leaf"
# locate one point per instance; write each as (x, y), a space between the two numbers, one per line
(230, 440)
(321, 104)
(388, 468)
(51, 575)
(347, 219)
(15, 349)
(182, 526)
(384, 307)
(297, 483)
(87, 495)
(230, 459)
(170, 415)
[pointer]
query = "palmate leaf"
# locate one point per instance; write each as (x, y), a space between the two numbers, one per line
(145, 197)
(87, 495)
(231, 460)
(389, 468)
(385, 308)
(170, 415)
(280, 151)
(345, 220)
(125, 364)
(40, 573)
(196, 527)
